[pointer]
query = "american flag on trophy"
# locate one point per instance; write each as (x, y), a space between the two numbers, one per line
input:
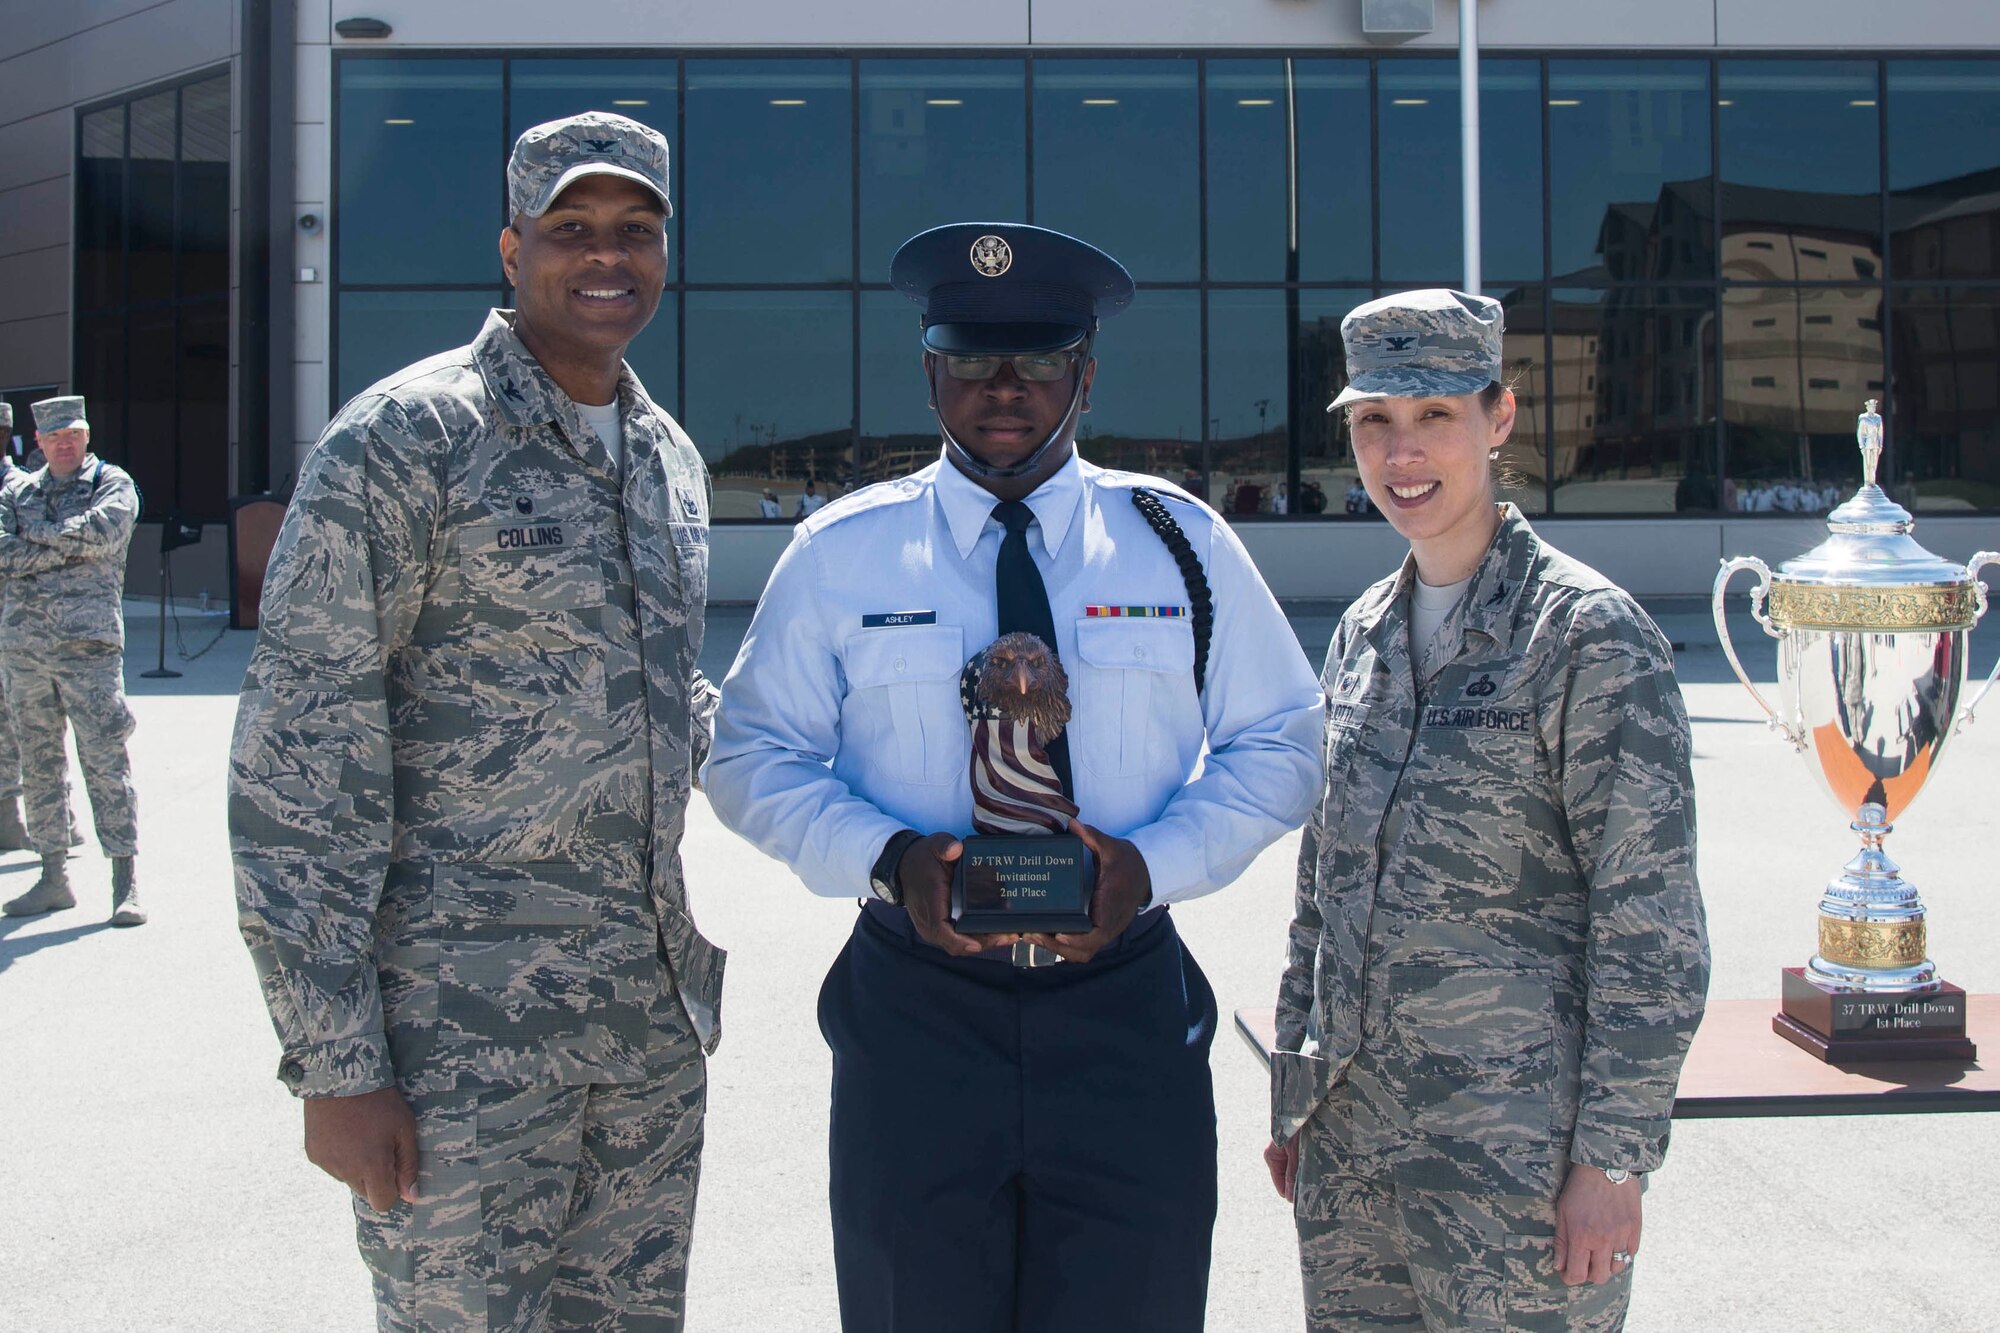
(1016, 696)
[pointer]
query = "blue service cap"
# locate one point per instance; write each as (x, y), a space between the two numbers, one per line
(1004, 288)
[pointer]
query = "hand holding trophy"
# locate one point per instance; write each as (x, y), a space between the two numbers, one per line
(1024, 872)
(1872, 635)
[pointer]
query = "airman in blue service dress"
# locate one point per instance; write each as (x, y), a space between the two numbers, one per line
(1017, 1146)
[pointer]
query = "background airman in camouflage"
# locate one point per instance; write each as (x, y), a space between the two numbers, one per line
(460, 775)
(64, 528)
(1497, 957)
(13, 833)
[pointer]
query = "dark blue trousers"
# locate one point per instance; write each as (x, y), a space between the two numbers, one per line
(1026, 1150)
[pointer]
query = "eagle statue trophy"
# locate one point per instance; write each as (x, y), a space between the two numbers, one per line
(1016, 695)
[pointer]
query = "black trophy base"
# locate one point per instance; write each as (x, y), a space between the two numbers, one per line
(1007, 884)
(1846, 1027)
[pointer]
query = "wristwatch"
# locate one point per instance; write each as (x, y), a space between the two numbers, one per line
(883, 877)
(1617, 1175)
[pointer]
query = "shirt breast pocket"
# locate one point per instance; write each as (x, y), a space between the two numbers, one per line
(902, 708)
(1131, 677)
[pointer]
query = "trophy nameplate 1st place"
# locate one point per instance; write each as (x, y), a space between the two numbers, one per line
(1872, 634)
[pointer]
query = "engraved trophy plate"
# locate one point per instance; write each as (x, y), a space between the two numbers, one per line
(1021, 883)
(1872, 634)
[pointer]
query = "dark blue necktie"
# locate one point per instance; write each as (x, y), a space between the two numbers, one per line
(1023, 601)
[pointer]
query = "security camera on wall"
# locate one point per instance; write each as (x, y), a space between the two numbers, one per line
(309, 223)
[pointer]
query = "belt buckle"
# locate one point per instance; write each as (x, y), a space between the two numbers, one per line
(1029, 954)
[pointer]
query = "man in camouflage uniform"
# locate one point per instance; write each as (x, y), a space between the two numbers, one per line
(460, 775)
(13, 833)
(63, 533)
(1497, 957)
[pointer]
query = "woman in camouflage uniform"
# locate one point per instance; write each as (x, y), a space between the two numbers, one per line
(1497, 957)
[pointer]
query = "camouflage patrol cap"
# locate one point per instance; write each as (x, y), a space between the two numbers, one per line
(552, 156)
(60, 414)
(6, 415)
(1432, 343)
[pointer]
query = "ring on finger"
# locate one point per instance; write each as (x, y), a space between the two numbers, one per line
(1621, 1256)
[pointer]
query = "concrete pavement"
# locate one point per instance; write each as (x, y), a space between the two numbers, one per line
(153, 1179)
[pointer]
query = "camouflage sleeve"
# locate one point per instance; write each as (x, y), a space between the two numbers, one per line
(104, 527)
(310, 780)
(18, 555)
(1299, 1074)
(1628, 795)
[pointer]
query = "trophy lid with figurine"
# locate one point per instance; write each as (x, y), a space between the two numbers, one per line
(1870, 574)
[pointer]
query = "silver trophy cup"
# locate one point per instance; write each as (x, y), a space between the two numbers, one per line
(1871, 632)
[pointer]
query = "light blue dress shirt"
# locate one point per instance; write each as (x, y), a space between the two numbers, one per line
(832, 736)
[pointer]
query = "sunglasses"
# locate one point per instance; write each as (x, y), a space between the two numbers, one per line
(1030, 367)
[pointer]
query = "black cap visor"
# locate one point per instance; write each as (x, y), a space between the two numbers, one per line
(1001, 339)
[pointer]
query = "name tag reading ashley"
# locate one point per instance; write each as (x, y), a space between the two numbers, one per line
(890, 619)
(1036, 882)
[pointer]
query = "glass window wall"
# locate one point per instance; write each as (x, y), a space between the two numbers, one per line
(770, 395)
(1421, 201)
(1944, 436)
(1145, 404)
(1798, 362)
(1116, 160)
(1629, 176)
(1944, 169)
(151, 327)
(1672, 339)
(1631, 392)
(769, 183)
(422, 148)
(941, 141)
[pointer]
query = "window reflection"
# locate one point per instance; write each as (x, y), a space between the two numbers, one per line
(420, 173)
(1510, 169)
(941, 141)
(1944, 217)
(151, 406)
(100, 209)
(1114, 160)
(1944, 443)
(201, 471)
(1633, 393)
(1523, 460)
(770, 398)
(203, 226)
(654, 355)
(1797, 365)
(1421, 200)
(1279, 130)
(101, 352)
(1249, 424)
(899, 432)
(155, 130)
(770, 176)
(1806, 126)
(1146, 401)
(1629, 169)
(1328, 482)
(381, 332)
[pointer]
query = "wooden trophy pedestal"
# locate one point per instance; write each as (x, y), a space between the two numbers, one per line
(1846, 1026)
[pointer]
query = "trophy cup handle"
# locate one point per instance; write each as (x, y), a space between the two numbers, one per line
(1719, 604)
(1973, 567)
